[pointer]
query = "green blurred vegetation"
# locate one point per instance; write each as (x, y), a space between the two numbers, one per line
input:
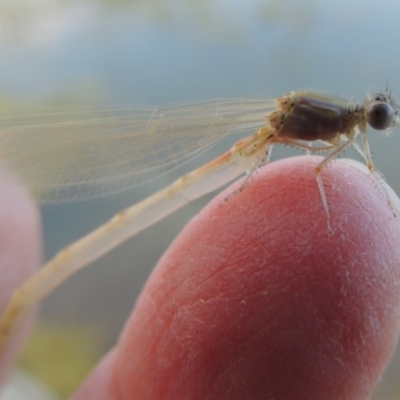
(62, 355)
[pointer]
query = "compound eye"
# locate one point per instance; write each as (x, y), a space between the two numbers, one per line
(380, 116)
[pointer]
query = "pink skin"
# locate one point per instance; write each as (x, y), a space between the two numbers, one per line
(20, 255)
(255, 300)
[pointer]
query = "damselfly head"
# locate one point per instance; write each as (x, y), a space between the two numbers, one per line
(381, 111)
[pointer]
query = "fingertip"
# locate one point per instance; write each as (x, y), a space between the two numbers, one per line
(98, 384)
(20, 256)
(255, 299)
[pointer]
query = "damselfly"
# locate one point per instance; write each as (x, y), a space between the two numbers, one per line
(65, 156)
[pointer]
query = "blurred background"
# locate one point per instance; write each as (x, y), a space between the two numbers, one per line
(163, 51)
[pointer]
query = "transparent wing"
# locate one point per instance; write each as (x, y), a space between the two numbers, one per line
(63, 156)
